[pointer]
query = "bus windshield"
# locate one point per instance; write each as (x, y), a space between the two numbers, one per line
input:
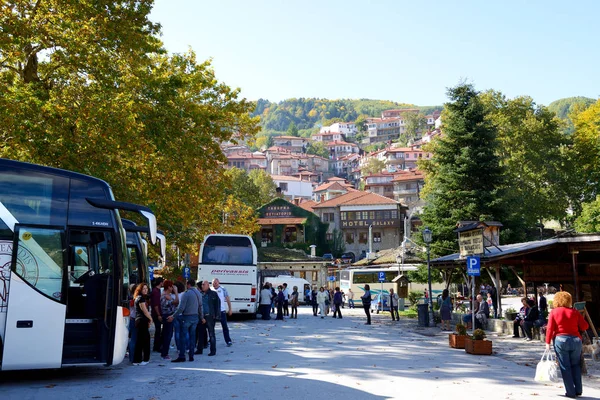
(227, 250)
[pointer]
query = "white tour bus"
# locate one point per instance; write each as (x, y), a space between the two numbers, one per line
(233, 260)
(291, 281)
(64, 270)
(357, 278)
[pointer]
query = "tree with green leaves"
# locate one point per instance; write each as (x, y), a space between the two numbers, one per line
(533, 152)
(265, 185)
(292, 129)
(416, 125)
(87, 86)
(317, 148)
(589, 219)
(464, 176)
(373, 166)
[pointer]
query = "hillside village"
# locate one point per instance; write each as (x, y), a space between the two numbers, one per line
(342, 189)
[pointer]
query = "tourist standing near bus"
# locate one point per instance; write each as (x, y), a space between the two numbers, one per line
(315, 304)
(366, 302)
(225, 309)
(132, 328)
(322, 297)
(564, 325)
(157, 284)
(168, 302)
(143, 320)
(295, 302)
(266, 298)
(350, 296)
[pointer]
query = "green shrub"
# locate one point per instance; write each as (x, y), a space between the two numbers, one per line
(410, 313)
(461, 329)
(413, 297)
(479, 334)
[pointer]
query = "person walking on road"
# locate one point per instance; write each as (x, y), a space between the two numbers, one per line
(350, 296)
(225, 309)
(294, 302)
(366, 302)
(265, 302)
(211, 313)
(143, 320)
(446, 310)
(190, 308)
(394, 305)
(315, 303)
(337, 303)
(564, 325)
(322, 297)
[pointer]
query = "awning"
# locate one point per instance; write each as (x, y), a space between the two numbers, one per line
(281, 221)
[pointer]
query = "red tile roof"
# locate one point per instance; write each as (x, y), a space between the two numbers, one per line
(357, 198)
(308, 205)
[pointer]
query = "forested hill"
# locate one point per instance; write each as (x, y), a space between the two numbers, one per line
(563, 107)
(307, 113)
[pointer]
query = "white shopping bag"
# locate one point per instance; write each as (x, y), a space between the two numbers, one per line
(547, 368)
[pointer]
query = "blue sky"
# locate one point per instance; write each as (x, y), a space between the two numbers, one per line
(405, 51)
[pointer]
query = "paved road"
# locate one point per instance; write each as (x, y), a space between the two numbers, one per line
(307, 358)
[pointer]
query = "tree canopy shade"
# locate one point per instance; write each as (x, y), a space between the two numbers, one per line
(589, 219)
(87, 86)
(464, 176)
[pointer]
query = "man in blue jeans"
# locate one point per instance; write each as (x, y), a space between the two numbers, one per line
(225, 309)
(190, 308)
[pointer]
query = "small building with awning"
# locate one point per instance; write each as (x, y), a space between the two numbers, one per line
(285, 224)
(570, 262)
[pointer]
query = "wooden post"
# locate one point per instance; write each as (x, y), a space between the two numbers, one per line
(575, 274)
(523, 283)
(499, 290)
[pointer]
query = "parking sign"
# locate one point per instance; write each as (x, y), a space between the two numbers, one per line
(186, 272)
(473, 266)
(381, 276)
(151, 272)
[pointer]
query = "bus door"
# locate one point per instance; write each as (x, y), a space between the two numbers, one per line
(90, 301)
(34, 330)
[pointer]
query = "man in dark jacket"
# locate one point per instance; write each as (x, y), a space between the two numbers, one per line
(211, 307)
(532, 316)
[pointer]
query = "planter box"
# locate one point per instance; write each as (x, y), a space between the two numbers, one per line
(479, 347)
(456, 341)
(510, 316)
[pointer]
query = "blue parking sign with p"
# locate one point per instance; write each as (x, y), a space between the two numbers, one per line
(381, 276)
(473, 266)
(186, 272)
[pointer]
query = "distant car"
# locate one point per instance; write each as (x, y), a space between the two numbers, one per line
(328, 256)
(348, 258)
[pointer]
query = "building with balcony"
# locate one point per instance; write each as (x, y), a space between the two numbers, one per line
(333, 187)
(340, 149)
(407, 187)
(346, 128)
(247, 161)
(294, 144)
(355, 212)
(326, 137)
(380, 184)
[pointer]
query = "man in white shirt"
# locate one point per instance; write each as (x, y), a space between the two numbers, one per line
(225, 309)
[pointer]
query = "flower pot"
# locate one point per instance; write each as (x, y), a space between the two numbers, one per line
(478, 347)
(456, 341)
(510, 316)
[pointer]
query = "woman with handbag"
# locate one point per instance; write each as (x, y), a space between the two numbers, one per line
(143, 320)
(564, 325)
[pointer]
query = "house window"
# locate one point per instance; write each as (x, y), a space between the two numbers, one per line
(329, 237)
(371, 214)
(350, 238)
(394, 214)
(376, 237)
(283, 186)
(365, 215)
(290, 234)
(363, 237)
(315, 276)
(328, 217)
(303, 274)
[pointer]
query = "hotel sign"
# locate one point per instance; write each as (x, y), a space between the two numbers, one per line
(365, 223)
(278, 212)
(470, 242)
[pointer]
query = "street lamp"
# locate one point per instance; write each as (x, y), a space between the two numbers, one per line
(427, 239)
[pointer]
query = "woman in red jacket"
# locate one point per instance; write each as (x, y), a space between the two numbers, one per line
(564, 325)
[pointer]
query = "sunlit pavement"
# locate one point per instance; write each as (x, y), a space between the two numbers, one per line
(307, 358)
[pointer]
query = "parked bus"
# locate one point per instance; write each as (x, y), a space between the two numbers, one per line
(357, 278)
(233, 260)
(64, 270)
(137, 251)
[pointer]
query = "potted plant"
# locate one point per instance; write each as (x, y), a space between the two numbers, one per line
(510, 314)
(477, 344)
(457, 340)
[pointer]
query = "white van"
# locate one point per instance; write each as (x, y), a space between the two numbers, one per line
(291, 281)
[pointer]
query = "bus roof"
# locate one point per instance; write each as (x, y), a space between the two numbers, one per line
(50, 170)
